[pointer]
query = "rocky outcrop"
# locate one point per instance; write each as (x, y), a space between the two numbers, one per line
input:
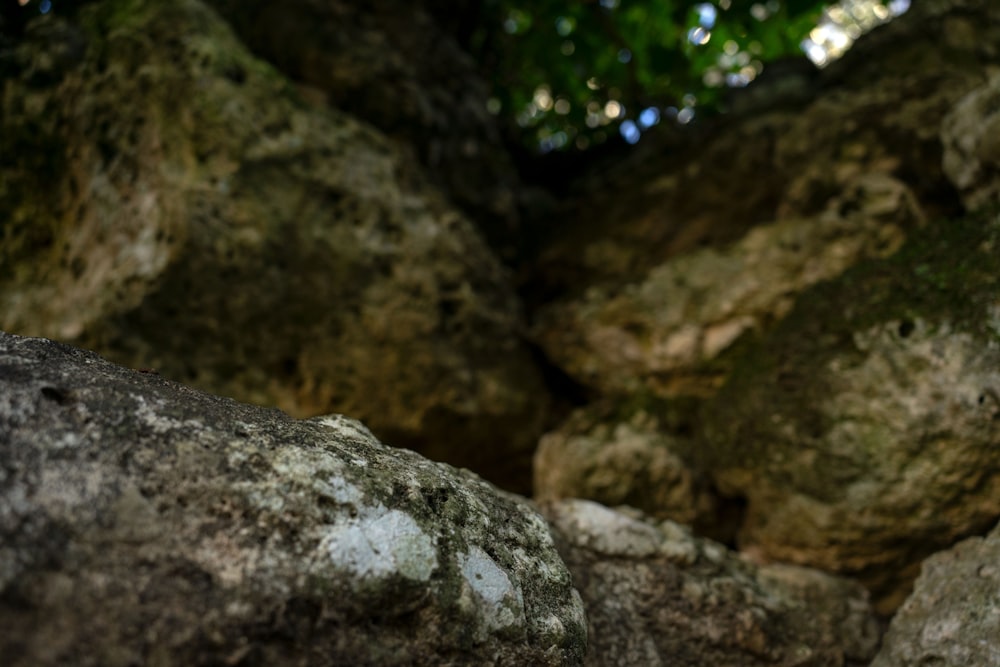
(862, 432)
(142, 522)
(659, 334)
(401, 67)
(655, 595)
(665, 259)
(841, 399)
(229, 233)
(952, 619)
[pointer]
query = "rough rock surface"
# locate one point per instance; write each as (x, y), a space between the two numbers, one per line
(657, 596)
(971, 138)
(430, 94)
(623, 460)
(863, 431)
(142, 522)
(224, 231)
(646, 279)
(658, 333)
(952, 619)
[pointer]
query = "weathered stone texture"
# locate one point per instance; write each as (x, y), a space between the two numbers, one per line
(863, 431)
(222, 230)
(142, 522)
(697, 238)
(628, 460)
(952, 619)
(658, 334)
(430, 94)
(971, 138)
(655, 595)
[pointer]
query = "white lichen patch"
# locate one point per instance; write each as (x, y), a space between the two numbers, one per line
(160, 423)
(499, 601)
(348, 429)
(611, 533)
(380, 544)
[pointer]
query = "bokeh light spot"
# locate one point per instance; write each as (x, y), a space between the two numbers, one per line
(629, 131)
(699, 36)
(649, 117)
(707, 14)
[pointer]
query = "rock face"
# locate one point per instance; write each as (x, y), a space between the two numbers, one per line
(400, 67)
(663, 263)
(952, 619)
(863, 431)
(657, 596)
(972, 148)
(658, 334)
(223, 230)
(142, 522)
(624, 460)
(842, 399)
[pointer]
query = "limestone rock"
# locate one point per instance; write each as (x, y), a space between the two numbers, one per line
(952, 619)
(863, 431)
(655, 595)
(659, 333)
(430, 93)
(622, 460)
(221, 229)
(971, 138)
(142, 522)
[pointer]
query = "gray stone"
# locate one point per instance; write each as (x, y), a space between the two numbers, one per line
(143, 522)
(952, 619)
(655, 595)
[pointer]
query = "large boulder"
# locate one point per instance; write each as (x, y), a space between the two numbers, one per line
(952, 619)
(403, 67)
(143, 522)
(224, 230)
(655, 595)
(863, 431)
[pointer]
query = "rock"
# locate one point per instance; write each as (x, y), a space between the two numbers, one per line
(877, 112)
(952, 619)
(221, 229)
(655, 595)
(659, 334)
(619, 459)
(143, 522)
(400, 67)
(971, 145)
(862, 431)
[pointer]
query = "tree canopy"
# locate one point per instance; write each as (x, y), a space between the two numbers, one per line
(571, 74)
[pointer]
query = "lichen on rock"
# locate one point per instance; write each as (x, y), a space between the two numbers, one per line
(145, 522)
(656, 595)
